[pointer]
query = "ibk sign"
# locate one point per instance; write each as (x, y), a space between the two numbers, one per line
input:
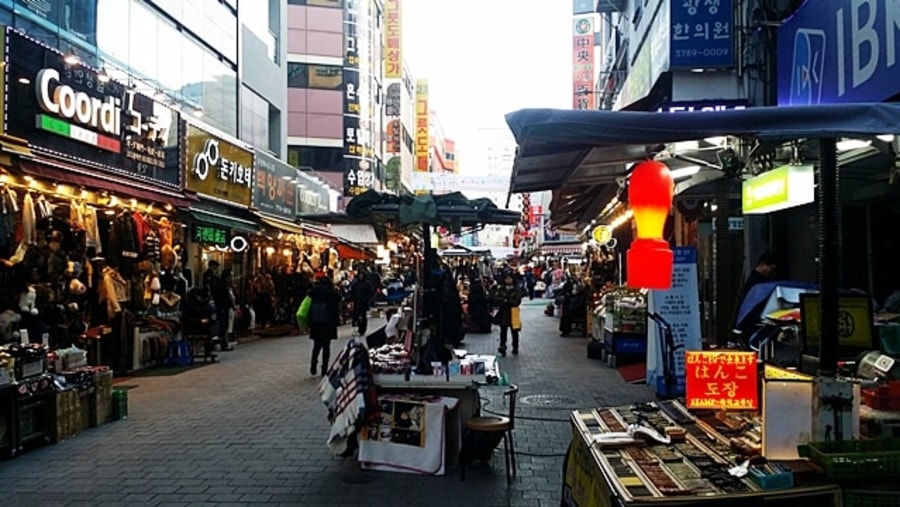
(840, 51)
(67, 111)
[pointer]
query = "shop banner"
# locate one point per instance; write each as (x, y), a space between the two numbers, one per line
(217, 166)
(276, 186)
(312, 196)
(423, 139)
(583, 64)
(67, 111)
(358, 175)
(393, 54)
(721, 380)
(393, 100)
(701, 34)
(679, 306)
(838, 51)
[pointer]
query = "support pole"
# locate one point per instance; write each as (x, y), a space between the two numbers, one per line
(724, 295)
(829, 260)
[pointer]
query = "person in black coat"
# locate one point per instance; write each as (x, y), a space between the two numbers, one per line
(322, 331)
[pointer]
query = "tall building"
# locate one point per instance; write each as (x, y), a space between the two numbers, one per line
(335, 86)
(193, 55)
(443, 149)
(400, 118)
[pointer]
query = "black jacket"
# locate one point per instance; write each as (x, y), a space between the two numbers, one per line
(324, 291)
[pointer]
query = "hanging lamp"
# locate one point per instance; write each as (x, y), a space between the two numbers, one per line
(650, 193)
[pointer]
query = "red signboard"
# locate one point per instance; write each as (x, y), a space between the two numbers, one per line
(721, 380)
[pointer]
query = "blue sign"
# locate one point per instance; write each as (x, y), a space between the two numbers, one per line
(702, 34)
(583, 6)
(685, 255)
(838, 51)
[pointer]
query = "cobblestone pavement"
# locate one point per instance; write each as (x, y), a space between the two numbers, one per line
(251, 430)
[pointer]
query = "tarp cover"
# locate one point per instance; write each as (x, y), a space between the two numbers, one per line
(431, 209)
(610, 128)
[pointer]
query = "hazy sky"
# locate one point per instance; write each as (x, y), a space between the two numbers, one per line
(486, 58)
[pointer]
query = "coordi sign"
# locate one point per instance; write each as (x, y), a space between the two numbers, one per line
(67, 111)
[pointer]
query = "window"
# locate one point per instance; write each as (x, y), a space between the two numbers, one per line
(337, 4)
(323, 77)
(319, 158)
(255, 119)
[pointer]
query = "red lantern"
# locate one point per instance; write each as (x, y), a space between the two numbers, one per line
(650, 193)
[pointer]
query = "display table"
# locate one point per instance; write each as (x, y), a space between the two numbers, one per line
(463, 388)
(410, 435)
(683, 473)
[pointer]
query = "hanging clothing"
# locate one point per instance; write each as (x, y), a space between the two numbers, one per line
(28, 220)
(152, 247)
(113, 290)
(141, 229)
(91, 228)
(76, 215)
(164, 226)
(43, 209)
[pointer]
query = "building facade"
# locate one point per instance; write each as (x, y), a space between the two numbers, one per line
(335, 85)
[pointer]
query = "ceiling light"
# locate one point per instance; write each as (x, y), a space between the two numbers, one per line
(24, 80)
(682, 146)
(852, 144)
(684, 172)
(716, 140)
(886, 137)
(286, 178)
(198, 113)
(102, 75)
(72, 59)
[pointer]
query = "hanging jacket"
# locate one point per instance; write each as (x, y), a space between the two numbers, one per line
(91, 229)
(28, 220)
(112, 290)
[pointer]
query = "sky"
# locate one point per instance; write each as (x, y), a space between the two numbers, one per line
(486, 58)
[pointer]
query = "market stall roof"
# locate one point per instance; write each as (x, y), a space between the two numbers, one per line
(361, 234)
(579, 153)
(280, 224)
(372, 207)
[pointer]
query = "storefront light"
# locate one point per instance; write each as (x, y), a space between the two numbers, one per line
(287, 252)
(4, 178)
(888, 138)
(650, 193)
(270, 250)
(852, 144)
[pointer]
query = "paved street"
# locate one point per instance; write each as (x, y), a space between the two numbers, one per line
(251, 430)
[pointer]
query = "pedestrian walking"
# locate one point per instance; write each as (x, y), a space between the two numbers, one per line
(324, 312)
(507, 297)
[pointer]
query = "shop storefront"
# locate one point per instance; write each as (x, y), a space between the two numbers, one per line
(89, 182)
(218, 169)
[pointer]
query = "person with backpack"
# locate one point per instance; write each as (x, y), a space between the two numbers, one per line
(322, 319)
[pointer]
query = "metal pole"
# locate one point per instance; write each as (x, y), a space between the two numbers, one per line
(724, 293)
(829, 256)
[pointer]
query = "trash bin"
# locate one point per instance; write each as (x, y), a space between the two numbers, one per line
(120, 404)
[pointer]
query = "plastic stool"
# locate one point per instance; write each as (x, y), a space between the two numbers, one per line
(179, 353)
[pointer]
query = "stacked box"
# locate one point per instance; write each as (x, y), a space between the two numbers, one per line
(101, 399)
(66, 416)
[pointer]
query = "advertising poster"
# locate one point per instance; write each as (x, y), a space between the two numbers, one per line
(216, 167)
(358, 176)
(423, 142)
(680, 307)
(393, 54)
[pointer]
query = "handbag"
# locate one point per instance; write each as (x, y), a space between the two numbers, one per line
(515, 320)
(303, 312)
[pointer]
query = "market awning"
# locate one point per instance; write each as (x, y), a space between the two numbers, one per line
(281, 225)
(560, 249)
(352, 252)
(318, 232)
(450, 210)
(361, 234)
(579, 154)
(211, 213)
(54, 170)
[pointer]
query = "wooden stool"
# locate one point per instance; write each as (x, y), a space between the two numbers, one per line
(201, 346)
(495, 424)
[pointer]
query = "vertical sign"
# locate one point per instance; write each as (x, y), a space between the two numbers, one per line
(702, 34)
(583, 64)
(422, 134)
(680, 307)
(393, 57)
(357, 177)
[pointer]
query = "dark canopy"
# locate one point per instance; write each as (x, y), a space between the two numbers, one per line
(450, 210)
(583, 155)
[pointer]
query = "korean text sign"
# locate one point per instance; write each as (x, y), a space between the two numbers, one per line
(701, 34)
(721, 380)
(583, 64)
(274, 189)
(217, 167)
(393, 58)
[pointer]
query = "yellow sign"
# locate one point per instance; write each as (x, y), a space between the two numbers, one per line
(393, 56)
(601, 234)
(855, 320)
(423, 141)
(583, 481)
(215, 167)
(776, 373)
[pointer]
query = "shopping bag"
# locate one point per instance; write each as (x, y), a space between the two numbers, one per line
(515, 320)
(303, 312)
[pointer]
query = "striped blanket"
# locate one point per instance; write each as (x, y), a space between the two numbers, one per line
(348, 391)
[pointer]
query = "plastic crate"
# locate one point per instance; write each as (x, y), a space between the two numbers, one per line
(857, 459)
(871, 498)
(769, 481)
